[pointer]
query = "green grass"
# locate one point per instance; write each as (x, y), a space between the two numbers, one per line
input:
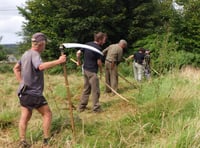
(161, 113)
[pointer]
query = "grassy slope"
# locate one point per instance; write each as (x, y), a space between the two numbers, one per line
(161, 113)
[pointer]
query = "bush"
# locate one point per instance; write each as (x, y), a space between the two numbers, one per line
(5, 67)
(2, 54)
(7, 118)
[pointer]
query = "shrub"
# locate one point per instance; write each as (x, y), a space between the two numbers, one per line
(5, 67)
(7, 118)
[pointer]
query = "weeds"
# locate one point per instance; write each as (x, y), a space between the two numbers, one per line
(7, 119)
(163, 113)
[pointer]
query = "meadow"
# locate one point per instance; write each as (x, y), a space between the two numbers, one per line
(160, 113)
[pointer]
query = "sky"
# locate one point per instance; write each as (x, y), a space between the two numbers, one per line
(10, 21)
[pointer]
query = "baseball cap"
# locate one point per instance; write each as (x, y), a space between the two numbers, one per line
(38, 37)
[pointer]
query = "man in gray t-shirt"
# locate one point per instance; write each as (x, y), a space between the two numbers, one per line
(33, 78)
(29, 73)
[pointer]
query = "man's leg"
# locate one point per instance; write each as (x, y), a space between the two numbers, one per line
(135, 71)
(47, 117)
(23, 122)
(94, 82)
(114, 78)
(107, 76)
(140, 72)
(86, 92)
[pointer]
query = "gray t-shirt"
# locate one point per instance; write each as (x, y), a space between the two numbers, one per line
(32, 77)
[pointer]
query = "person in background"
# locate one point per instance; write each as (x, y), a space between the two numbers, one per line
(138, 61)
(91, 63)
(147, 68)
(113, 55)
(29, 72)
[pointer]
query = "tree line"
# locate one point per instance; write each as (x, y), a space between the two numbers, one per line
(172, 35)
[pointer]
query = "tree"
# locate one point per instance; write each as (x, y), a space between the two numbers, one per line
(77, 20)
(186, 27)
(2, 53)
(186, 30)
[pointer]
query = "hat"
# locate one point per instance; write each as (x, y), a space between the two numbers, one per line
(38, 37)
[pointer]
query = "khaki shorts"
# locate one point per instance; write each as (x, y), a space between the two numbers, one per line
(31, 102)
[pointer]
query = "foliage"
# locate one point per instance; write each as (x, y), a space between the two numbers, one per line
(186, 27)
(2, 53)
(170, 33)
(76, 21)
(11, 49)
(5, 67)
(7, 119)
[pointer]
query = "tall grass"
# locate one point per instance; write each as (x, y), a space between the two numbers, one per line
(162, 113)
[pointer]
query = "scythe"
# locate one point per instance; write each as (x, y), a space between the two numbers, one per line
(83, 46)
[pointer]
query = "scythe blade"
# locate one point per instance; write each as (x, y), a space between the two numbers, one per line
(83, 46)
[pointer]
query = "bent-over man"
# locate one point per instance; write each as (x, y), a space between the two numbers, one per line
(114, 55)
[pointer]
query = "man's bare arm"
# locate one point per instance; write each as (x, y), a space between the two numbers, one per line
(17, 72)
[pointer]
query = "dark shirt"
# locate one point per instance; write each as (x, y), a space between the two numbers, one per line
(91, 57)
(139, 57)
